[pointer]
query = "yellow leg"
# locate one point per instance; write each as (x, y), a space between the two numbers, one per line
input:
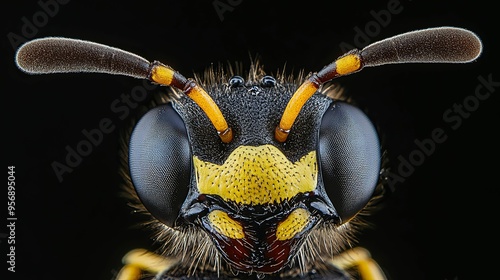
(139, 260)
(359, 258)
(129, 272)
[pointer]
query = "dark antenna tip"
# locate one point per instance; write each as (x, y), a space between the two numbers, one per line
(432, 45)
(64, 55)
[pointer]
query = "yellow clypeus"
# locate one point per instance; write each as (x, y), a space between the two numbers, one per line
(256, 175)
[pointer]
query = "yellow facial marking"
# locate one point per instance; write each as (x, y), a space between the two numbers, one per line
(257, 175)
(348, 64)
(224, 225)
(293, 224)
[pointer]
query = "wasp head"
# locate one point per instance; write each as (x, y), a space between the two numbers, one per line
(256, 198)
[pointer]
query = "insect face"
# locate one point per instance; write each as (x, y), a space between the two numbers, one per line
(250, 175)
(256, 197)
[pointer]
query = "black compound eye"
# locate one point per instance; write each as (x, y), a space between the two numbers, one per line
(160, 162)
(236, 81)
(349, 154)
(268, 81)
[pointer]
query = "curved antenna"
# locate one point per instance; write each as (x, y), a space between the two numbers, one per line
(64, 55)
(433, 45)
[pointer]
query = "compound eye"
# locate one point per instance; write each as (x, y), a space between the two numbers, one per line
(349, 155)
(160, 162)
(236, 81)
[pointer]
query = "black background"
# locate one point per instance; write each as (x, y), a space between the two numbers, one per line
(437, 224)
